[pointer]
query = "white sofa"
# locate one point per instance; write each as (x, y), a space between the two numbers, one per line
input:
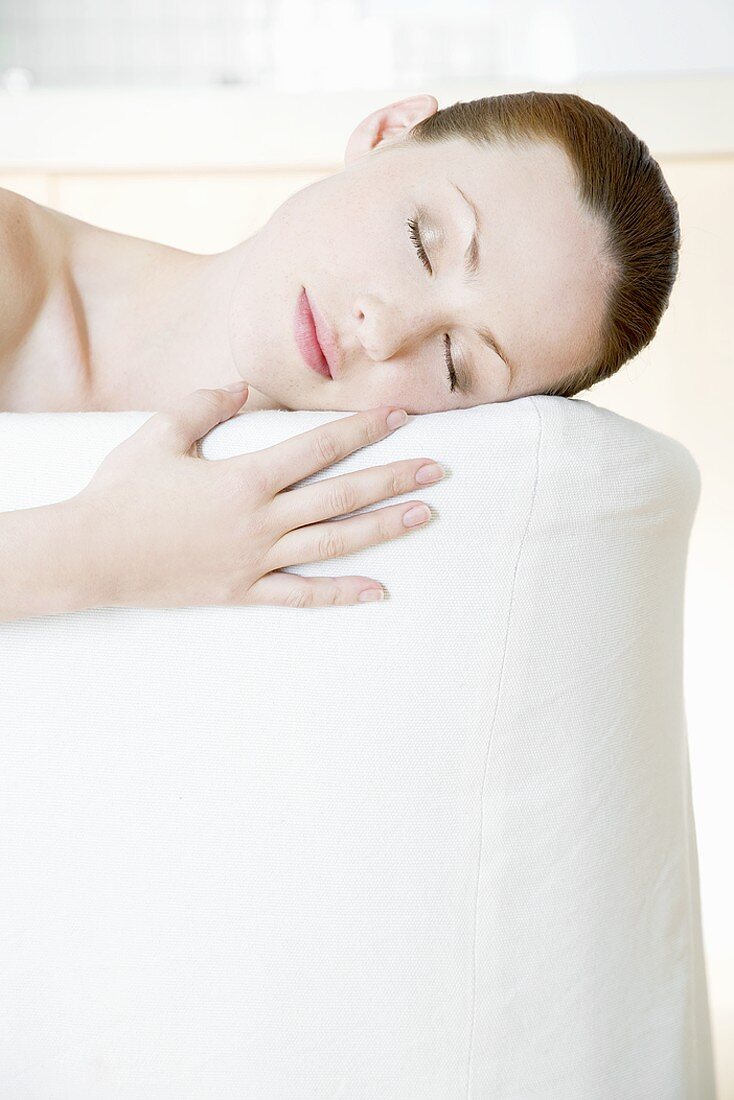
(438, 848)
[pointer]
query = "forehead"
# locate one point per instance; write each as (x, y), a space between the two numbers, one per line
(542, 283)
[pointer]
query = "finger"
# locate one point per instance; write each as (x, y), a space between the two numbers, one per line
(190, 417)
(291, 590)
(295, 458)
(337, 496)
(321, 541)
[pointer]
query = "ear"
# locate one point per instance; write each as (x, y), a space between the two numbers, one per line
(388, 124)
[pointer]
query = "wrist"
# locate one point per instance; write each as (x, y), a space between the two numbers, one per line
(84, 579)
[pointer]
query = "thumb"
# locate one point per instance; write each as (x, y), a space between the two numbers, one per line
(195, 414)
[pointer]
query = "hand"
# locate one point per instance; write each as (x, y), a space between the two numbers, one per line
(172, 529)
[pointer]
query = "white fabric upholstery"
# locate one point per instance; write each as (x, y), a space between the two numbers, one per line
(439, 848)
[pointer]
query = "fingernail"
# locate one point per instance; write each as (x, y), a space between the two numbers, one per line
(235, 386)
(370, 594)
(431, 472)
(396, 418)
(416, 515)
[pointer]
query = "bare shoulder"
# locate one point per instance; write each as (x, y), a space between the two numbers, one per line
(26, 245)
(18, 228)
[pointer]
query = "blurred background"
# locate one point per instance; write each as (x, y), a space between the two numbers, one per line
(190, 121)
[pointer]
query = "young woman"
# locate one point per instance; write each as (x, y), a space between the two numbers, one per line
(513, 245)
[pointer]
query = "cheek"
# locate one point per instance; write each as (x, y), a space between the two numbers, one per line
(416, 378)
(300, 229)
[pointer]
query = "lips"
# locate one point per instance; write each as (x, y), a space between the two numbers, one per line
(327, 340)
(314, 338)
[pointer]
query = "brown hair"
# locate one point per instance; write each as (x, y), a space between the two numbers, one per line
(618, 180)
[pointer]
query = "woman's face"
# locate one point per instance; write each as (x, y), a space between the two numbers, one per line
(352, 241)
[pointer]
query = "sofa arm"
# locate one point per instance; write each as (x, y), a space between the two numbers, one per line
(438, 848)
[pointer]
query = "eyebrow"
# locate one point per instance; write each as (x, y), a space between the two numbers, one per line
(471, 270)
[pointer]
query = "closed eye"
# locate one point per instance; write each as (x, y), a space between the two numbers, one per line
(416, 238)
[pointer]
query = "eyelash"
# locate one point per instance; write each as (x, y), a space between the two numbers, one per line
(415, 237)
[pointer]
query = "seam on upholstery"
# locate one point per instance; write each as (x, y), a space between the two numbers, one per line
(489, 744)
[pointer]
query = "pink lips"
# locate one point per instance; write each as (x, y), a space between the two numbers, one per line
(309, 329)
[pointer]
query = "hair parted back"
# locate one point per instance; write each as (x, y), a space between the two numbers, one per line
(617, 179)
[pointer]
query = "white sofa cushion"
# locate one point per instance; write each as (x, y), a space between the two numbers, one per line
(439, 847)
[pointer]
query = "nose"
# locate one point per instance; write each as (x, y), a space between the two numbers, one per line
(385, 328)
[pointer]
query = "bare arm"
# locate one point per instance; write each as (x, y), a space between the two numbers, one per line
(46, 565)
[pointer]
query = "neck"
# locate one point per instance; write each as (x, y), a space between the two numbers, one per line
(154, 321)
